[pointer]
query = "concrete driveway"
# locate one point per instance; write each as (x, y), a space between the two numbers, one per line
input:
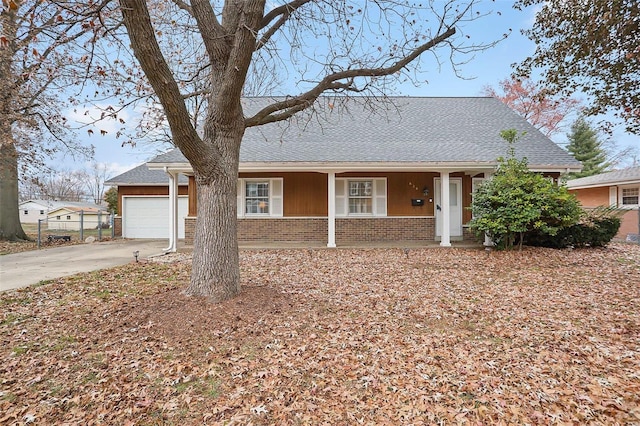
(23, 269)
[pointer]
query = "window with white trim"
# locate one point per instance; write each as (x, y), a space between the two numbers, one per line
(630, 196)
(260, 197)
(26, 212)
(361, 197)
(256, 197)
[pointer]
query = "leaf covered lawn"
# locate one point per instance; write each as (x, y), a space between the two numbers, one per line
(384, 336)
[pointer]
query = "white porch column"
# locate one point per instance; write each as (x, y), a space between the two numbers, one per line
(173, 211)
(445, 238)
(331, 204)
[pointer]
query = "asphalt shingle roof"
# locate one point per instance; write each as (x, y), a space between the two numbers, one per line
(142, 175)
(402, 129)
(51, 204)
(614, 177)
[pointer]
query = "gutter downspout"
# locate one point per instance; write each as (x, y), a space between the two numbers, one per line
(173, 212)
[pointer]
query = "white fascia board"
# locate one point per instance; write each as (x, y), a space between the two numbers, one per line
(554, 169)
(184, 168)
(338, 167)
(332, 166)
(602, 184)
(141, 183)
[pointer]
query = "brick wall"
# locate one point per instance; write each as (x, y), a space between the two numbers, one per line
(354, 230)
(314, 230)
(629, 224)
(467, 234)
(117, 226)
(189, 229)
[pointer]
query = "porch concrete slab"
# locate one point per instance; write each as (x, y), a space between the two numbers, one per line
(30, 267)
(359, 245)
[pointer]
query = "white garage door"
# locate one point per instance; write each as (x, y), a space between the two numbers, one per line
(148, 217)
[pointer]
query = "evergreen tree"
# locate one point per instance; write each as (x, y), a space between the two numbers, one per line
(111, 198)
(585, 146)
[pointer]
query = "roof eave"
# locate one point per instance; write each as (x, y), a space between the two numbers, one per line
(600, 184)
(140, 183)
(338, 167)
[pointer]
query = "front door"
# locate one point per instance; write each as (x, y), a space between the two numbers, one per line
(455, 207)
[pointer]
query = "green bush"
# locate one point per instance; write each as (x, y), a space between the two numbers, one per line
(596, 228)
(516, 201)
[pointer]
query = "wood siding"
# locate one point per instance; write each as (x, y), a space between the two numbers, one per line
(193, 197)
(146, 190)
(401, 189)
(304, 194)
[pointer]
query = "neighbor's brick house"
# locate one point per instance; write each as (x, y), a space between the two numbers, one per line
(618, 188)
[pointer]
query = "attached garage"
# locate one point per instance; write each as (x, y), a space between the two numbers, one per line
(148, 216)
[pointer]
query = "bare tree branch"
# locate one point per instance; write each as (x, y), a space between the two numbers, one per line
(282, 14)
(147, 50)
(285, 109)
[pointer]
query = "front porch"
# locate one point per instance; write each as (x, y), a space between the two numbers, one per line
(421, 207)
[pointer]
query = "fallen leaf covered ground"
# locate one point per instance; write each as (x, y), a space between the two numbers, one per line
(335, 337)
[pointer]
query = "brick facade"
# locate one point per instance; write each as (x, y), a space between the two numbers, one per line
(379, 229)
(314, 230)
(630, 224)
(189, 229)
(117, 226)
(467, 234)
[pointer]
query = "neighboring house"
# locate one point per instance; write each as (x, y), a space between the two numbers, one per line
(71, 218)
(32, 210)
(358, 171)
(619, 188)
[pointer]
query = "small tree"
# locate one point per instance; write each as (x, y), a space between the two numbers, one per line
(546, 112)
(516, 200)
(585, 146)
(111, 198)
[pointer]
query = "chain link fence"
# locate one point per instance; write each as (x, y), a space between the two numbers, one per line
(74, 227)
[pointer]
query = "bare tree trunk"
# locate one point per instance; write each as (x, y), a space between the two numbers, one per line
(10, 227)
(216, 271)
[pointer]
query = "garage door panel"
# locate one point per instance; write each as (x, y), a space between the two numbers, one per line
(148, 217)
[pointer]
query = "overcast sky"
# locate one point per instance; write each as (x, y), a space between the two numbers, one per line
(486, 69)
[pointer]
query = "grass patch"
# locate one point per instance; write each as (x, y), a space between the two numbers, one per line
(208, 388)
